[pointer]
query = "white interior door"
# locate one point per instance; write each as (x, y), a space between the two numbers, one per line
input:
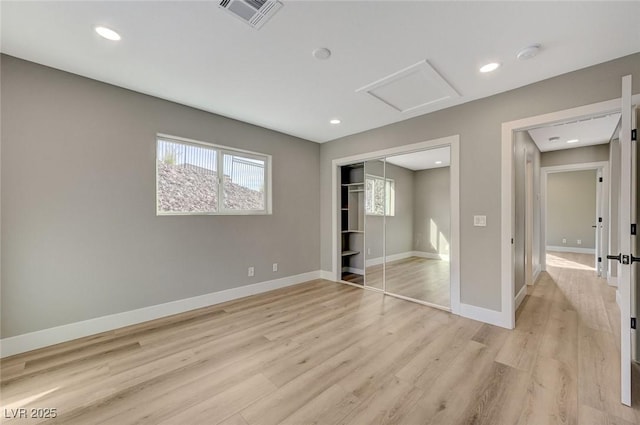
(627, 240)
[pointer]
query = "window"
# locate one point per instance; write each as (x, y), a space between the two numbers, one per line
(200, 178)
(380, 196)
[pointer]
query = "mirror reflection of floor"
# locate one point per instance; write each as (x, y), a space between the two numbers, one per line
(423, 279)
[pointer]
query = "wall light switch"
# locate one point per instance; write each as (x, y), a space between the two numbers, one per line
(480, 220)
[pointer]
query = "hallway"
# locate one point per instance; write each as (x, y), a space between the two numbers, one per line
(573, 318)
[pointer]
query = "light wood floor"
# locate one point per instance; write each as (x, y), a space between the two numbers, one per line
(330, 353)
(422, 279)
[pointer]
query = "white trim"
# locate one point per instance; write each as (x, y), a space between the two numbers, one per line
(520, 296)
(571, 249)
(536, 273)
(454, 245)
(507, 209)
(403, 255)
(43, 338)
(612, 281)
(326, 275)
(353, 270)
(484, 315)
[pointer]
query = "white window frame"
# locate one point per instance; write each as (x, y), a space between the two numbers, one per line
(220, 152)
(389, 201)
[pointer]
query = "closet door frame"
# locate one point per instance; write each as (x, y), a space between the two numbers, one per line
(454, 248)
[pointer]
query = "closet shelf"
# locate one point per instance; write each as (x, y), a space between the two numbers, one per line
(347, 253)
(352, 184)
(353, 231)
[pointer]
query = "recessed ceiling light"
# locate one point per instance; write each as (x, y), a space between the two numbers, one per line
(490, 67)
(335, 121)
(321, 53)
(528, 52)
(108, 33)
(573, 141)
(438, 162)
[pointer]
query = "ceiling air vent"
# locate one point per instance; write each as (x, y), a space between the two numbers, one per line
(254, 12)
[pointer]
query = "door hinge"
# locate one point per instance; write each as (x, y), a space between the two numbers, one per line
(633, 229)
(600, 179)
(599, 259)
(599, 219)
(634, 134)
(511, 241)
(633, 323)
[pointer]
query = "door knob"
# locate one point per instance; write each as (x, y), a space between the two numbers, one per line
(615, 257)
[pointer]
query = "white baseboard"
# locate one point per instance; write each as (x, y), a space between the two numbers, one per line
(403, 255)
(520, 296)
(612, 280)
(352, 270)
(38, 339)
(327, 275)
(536, 273)
(485, 315)
(571, 249)
(433, 255)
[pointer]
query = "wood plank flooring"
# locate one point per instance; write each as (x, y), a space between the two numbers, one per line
(423, 279)
(328, 353)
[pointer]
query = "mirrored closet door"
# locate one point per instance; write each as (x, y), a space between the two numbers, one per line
(374, 223)
(417, 226)
(395, 225)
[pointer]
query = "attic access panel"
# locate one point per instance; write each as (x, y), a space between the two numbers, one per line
(412, 88)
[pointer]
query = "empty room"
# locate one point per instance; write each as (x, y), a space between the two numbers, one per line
(261, 212)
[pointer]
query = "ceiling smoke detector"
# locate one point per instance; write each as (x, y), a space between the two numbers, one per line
(321, 53)
(554, 139)
(528, 52)
(256, 13)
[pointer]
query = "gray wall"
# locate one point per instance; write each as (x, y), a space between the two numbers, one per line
(399, 226)
(80, 238)
(479, 125)
(525, 150)
(582, 155)
(571, 208)
(432, 201)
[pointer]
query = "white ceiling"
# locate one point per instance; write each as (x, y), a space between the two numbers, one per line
(588, 131)
(196, 54)
(422, 160)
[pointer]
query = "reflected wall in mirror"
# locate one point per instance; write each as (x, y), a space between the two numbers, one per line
(374, 208)
(417, 233)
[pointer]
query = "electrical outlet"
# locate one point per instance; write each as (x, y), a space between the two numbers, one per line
(251, 272)
(564, 240)
(275, 267)
(579, 241)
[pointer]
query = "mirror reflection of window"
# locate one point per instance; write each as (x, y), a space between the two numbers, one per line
(380, 196)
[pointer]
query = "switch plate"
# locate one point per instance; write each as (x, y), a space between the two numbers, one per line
(480, 220)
